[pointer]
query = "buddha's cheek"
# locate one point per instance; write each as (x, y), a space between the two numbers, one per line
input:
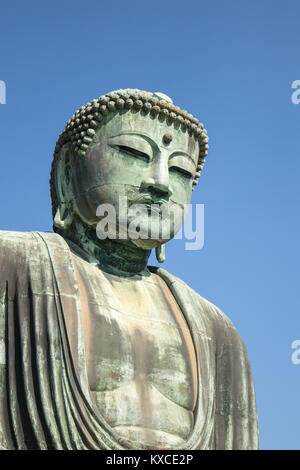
(182, 190)
(94, 201)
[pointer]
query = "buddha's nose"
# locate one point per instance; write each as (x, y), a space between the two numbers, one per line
(158, 180)
(158, 187)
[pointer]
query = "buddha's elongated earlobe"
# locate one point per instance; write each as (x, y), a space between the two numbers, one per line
(64, 215)
(160, 253)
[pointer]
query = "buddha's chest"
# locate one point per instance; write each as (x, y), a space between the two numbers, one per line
(137, 340)
(124, 349)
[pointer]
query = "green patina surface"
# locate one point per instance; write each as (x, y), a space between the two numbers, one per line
(97, 351)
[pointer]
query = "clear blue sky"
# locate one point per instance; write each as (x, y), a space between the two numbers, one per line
(231, 64)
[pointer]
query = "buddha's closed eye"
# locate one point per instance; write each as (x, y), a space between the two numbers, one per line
(132, 152)
(180, 171)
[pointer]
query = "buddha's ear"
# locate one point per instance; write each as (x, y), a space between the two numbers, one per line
(65, 212)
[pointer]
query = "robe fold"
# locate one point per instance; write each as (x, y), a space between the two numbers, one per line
(45, 400)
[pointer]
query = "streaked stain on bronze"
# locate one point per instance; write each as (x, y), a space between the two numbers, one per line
(185, 336)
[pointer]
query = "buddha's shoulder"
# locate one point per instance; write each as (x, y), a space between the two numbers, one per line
(209, 311)
(20, 245)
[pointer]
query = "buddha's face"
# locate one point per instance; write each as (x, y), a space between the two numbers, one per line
(140, 158)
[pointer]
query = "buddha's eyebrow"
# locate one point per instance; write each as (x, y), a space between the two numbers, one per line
(140, 135)
(179, 153)
(148, 139)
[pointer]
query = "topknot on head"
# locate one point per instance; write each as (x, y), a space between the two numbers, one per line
(162, 96)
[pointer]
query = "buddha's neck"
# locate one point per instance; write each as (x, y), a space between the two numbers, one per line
(119, 257)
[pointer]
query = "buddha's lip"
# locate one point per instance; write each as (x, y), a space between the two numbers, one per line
(148, 200)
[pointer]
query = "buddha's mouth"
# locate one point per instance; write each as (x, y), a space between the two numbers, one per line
(148, 199)
(153, 206)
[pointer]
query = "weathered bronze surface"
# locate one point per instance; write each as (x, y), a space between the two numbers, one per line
(97, 350)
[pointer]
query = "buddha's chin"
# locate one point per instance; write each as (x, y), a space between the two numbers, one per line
(148, 244)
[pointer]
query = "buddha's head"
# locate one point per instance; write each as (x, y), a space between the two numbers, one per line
(133, 144)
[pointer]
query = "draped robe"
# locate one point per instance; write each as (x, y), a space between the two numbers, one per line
(45, 400)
